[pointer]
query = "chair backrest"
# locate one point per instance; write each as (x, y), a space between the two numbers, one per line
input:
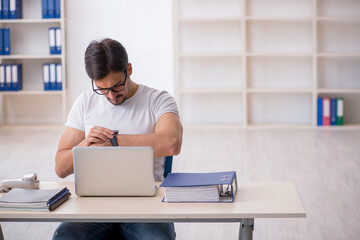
(167, 165)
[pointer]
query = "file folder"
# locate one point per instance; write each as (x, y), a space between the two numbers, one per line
(44, 8)
(52, 79)
(52, 40)
(46, 76)
(16, 76)
(333, 111)
(320, 111)
(326, 111)
(51, 8)
(1, 41)
(57, 9)
(1, 9)
(200, 187)
(15, 9)
(2, 77)
(8, 77)
(58, 41)
(340, 111)
(6, 41)
(58, 76)
(6, 9)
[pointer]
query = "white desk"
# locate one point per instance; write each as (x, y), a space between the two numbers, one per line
(253, 200)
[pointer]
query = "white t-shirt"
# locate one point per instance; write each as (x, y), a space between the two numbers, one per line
(137, 115)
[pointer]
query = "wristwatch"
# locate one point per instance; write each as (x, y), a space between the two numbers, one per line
(113, 140)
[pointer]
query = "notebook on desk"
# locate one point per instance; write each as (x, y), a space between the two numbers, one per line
(114, 171)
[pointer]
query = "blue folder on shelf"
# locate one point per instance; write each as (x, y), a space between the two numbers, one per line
(51, 8)
(44, 8)
(200, 187)
(5, 9)
(57, 9)
(15, 9)
(320, 111)
(333, 111)
(2, 77)
(46, 76)
(6, 41)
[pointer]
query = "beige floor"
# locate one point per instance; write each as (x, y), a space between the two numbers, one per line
(323, 164)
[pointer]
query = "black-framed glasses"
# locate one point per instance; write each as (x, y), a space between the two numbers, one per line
(118, 87)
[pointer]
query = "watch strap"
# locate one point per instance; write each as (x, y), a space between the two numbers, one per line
(113, 140)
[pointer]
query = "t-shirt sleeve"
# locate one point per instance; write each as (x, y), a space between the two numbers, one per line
(163, 102)
(75, 118)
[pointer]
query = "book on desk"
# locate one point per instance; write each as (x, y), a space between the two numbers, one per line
(200, 187)
(32, 199)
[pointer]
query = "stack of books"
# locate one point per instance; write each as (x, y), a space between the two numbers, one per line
(200, 187)
(31, 199)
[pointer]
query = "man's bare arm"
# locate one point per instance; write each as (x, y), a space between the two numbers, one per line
(166, 140)
(73, 137)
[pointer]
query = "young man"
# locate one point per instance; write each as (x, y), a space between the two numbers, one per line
(142, 116)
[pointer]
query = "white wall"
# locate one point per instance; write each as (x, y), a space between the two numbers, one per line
(143, 27)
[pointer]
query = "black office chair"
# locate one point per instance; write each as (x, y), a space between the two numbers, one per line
(167, 165)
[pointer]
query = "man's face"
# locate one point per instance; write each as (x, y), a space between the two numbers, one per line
(114, 87)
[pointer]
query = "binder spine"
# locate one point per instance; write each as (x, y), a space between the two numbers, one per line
(1, 9)
(2, 77)
(6, 9)
(15, 9)
(57, 41)
(340, 111)
(320, 111)
(58, 76)
(8, 77)
(52, 40)
(57, 9)
(333, 111)
(51, 8)
(46, 76)
(6, 41)
(326, 111)
(1, 41)
(52, 79)
(44, 9)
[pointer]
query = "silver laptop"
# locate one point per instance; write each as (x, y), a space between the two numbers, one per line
(114, 171)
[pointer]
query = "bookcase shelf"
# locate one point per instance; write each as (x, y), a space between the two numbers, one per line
(263, 64)
(30, 47)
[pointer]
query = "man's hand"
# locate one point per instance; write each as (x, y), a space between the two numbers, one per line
(98, 136)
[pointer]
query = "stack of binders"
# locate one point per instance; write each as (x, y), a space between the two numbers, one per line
(52, 76)
(55, 40)
(330, 111)
(10, 77)
(4, 41)
(10, 9)
(51, 8)
(200, 187)
(31, 199)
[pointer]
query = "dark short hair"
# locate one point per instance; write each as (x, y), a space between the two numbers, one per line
(104, 57)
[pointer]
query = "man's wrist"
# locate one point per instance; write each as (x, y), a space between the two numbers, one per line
(113, 140)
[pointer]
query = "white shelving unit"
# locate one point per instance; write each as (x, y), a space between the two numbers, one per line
(29, 46)
(264, 63)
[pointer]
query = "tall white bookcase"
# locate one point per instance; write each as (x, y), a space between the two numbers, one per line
(29, 46)
(264, 63)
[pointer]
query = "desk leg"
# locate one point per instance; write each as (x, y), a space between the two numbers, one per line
(1, 234)
(246, 229)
